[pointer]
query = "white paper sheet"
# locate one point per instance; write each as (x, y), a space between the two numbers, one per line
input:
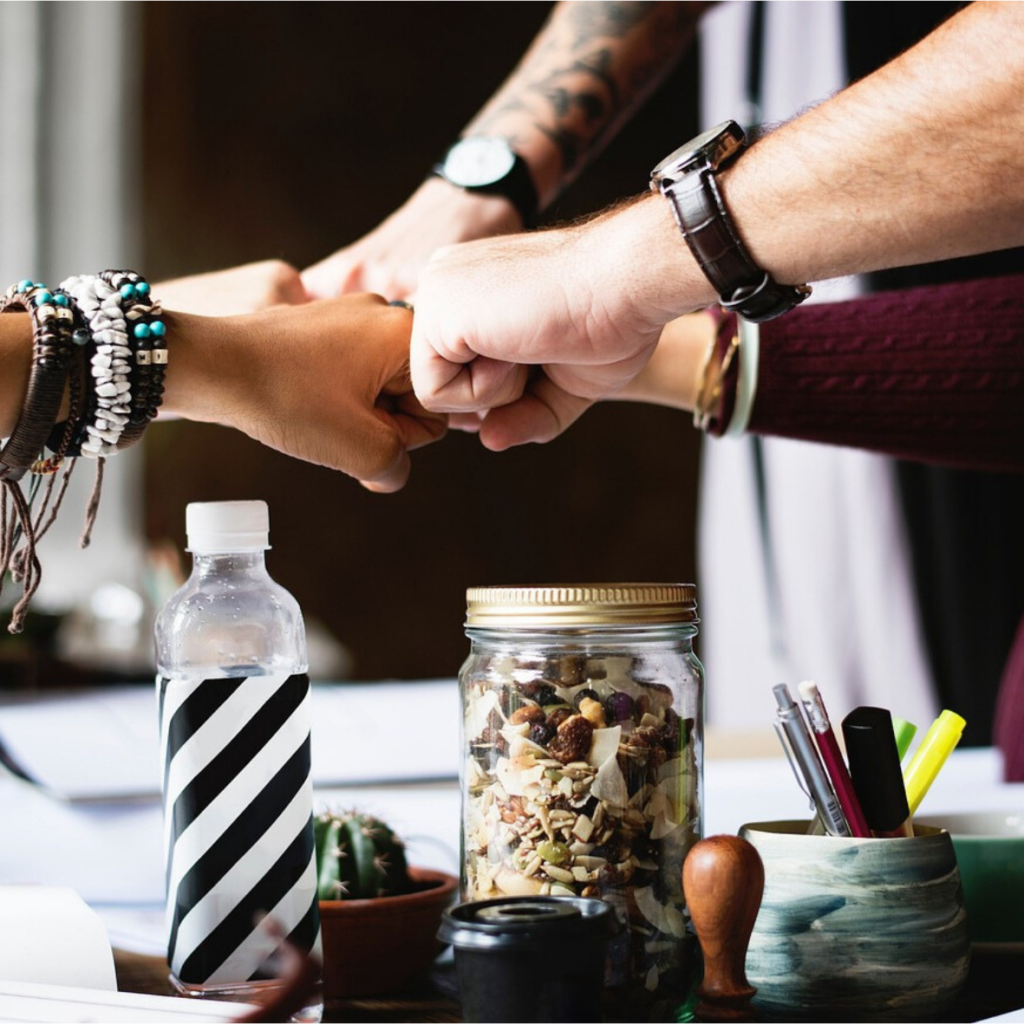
(31, 1003)
(103, 745)
(48, 936)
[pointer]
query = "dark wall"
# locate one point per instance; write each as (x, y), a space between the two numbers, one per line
(289, 129)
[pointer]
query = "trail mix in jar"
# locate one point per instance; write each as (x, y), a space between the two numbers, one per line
(581, 780)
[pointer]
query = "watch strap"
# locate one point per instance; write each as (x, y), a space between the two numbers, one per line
(704, 221)
(516, 186)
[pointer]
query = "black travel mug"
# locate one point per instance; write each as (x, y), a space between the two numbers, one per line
(530, 958)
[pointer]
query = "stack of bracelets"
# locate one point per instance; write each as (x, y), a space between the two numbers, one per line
(101, 338)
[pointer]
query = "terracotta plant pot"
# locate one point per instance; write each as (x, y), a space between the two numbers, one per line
(375, 947)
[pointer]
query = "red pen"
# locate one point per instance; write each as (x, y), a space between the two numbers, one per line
(817, 717)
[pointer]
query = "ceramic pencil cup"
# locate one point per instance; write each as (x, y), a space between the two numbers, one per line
(856, 929)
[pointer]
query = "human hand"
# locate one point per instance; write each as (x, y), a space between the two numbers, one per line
(389, 259)
(233, 292)
(327, 382)
(582, 306)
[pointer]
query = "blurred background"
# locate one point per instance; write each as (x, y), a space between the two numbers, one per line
(182, 137)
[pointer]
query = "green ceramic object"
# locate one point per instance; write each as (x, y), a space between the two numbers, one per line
(856, 929)
(990, 851)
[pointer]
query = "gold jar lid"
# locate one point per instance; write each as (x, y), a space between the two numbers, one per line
(582, 604)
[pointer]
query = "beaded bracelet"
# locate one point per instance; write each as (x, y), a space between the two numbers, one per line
(147, 335)
(66, 437)
(109, 409)
(51, 340)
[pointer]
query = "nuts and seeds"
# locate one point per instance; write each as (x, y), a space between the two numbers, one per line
(582, 781)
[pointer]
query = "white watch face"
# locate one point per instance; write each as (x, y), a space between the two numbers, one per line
(478, 161)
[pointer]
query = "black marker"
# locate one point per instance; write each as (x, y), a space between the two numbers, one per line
(875, 771)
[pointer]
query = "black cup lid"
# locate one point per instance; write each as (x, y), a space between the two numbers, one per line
(517, 921)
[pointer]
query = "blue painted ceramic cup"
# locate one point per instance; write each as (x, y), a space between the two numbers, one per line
(856, 929)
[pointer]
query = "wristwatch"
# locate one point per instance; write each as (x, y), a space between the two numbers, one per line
(482, 163)
(686, 178)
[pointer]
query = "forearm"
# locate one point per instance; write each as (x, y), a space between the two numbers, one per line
(590, 67)
(918, 162)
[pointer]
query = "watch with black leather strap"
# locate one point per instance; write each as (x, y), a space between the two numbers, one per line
(486, 164)
(686, 178)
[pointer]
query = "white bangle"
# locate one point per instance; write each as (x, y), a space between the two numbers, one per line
(746, 383)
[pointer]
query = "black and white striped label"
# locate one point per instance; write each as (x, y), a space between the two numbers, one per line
(238, 825)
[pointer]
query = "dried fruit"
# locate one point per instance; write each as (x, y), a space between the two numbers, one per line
(672, 737)
(583, 695)
(541, 733)
(645, 736)
(527, 713)
(619, 707)
(572, 741)
(542, 693)
(558, 716)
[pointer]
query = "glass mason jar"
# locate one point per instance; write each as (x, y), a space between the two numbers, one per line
(582, 776)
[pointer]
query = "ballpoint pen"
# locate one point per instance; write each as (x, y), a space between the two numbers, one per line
(875, 771)
(799, 747)
(930, 756)
(821, 728)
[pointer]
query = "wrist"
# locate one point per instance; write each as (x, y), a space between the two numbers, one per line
(672, 375)
(472, 214)
(203, 380)
(642, 258)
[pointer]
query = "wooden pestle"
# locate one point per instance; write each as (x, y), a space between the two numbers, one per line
(723, 881)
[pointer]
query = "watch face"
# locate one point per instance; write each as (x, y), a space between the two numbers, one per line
(478, 161)
(715, 146)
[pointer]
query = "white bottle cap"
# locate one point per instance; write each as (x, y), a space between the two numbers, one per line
(220, 527)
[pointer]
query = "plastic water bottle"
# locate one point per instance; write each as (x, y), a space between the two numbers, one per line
(235, 737)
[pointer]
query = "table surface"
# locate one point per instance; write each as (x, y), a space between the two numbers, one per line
(116, 842)
(995, 985)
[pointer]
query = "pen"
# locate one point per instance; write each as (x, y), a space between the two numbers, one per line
(796, 738)
(875, 770)
(930, 756)
(821, 728)
(905, 732)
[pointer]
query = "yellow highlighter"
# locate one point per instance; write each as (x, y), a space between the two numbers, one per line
(930, 756)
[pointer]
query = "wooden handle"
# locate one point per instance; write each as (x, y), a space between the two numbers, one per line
(723, 880)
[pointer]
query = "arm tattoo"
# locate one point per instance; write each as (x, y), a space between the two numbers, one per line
(597, 62)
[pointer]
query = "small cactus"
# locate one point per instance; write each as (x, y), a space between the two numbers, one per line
(358, 857)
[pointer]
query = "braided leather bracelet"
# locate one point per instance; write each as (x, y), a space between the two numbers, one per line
(51, 341)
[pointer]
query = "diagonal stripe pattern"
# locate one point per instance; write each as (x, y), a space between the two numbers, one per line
(238, 827)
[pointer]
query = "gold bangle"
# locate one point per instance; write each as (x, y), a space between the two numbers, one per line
(710, 391)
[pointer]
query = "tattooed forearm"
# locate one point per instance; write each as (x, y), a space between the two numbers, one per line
(591, 66)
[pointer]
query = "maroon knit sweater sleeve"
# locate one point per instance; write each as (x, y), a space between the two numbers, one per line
(934, 374)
